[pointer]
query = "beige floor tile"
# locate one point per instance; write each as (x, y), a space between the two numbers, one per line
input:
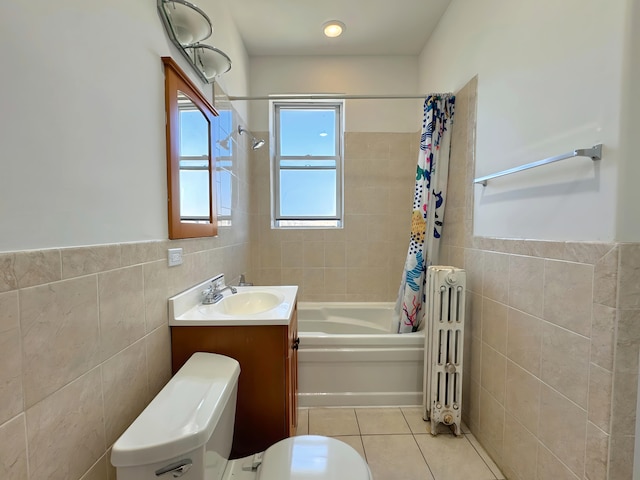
(453, 458)
(485, 456)
(353, 440)
(303, 421)
(333, 422)
(394, 457)
(381, 421)
(413, 416)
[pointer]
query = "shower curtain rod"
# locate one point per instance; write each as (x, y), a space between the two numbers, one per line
(329, 96)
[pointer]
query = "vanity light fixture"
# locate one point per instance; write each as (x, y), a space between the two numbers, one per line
(188, 23)
(209, 60)
(257, 142)
(333, 28)
(187, 26)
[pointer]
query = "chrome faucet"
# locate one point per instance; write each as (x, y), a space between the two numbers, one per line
(213, 294)
(233, 289)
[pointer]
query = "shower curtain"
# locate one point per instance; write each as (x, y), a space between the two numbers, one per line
(428, 209)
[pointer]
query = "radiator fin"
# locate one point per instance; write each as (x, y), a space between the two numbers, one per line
(444, 344)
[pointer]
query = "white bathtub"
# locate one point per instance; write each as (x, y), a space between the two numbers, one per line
(349, 355)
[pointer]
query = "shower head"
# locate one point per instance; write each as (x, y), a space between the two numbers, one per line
(257, 142)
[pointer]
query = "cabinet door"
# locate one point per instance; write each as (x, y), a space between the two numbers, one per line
(261, 409)
(292, 374)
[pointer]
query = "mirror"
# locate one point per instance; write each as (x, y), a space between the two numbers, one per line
(190, 161)
(226, 162)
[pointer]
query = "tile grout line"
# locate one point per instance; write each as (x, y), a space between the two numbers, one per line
(355, 414)
(413, 435)
(494, 474)
(482, 457)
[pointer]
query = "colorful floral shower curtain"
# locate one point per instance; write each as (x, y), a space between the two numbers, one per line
(428, 210)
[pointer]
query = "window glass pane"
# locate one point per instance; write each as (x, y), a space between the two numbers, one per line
(308, 163)
(194, 134)
(194, 194)
(224, 191)
(307, 132)
(307, 193)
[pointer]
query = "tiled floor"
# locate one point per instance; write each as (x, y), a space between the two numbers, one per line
(398, 446)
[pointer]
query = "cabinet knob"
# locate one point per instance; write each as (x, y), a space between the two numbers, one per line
(296, 344)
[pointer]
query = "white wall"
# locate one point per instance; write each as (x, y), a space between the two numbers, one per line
(628, 226)
(549, 81)
(354, 75)
(82, 156)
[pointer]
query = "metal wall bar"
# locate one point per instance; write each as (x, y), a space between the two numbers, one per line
(328, 96)
(595, 153)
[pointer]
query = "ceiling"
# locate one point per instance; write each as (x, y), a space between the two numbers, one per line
(373, 27)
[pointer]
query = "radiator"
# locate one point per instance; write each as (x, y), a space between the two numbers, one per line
(444, 346)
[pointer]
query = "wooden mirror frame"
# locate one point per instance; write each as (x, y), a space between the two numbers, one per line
(176, 80)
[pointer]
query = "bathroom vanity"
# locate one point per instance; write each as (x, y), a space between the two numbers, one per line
(267, 350)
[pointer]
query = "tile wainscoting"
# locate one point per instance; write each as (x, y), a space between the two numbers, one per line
(553, 339)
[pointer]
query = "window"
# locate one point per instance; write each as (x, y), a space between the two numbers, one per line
(307, 164)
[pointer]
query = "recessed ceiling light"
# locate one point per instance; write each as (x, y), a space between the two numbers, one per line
(323, 134)
(333, 29)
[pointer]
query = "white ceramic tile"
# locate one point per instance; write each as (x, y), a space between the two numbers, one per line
(126, 394)
(60, 335)
(453, 458)
(303, 421)
(394, 457)
(381, 421)
(11, 400)
(121, 304)
(561, 423)
(333, 422)
(485, 456)
(13, 449)
(354, 441)
(65, 431)
(413, 416)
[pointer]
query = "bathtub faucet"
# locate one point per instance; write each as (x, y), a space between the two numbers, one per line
(213, 294)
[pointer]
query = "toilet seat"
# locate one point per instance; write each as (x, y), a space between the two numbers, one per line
(312, 457)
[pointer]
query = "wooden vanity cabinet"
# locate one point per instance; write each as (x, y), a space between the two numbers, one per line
(267, 405)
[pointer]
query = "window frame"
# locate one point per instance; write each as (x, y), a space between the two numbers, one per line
(306, 221)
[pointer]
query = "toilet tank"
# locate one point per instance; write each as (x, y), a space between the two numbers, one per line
(188, 426)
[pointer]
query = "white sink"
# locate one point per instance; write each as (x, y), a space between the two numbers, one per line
(244, 303)
(251, 305)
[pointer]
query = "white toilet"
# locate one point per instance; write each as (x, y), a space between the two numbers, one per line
(186, 432)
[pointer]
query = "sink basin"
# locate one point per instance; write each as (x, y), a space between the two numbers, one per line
(251, 305)
(245, 303)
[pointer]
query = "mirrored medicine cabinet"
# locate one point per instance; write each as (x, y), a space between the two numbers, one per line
(190, 160)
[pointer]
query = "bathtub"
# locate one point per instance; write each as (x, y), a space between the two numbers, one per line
(349, 355)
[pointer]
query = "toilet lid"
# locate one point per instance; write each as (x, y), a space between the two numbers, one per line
(312, 457)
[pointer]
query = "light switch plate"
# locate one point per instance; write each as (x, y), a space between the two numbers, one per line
(175, 257)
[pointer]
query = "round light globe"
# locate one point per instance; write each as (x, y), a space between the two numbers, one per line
(333, 28)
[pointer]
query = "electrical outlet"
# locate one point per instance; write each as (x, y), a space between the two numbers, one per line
(175, 257)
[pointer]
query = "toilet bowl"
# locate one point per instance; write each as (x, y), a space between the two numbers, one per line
(187, 429)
